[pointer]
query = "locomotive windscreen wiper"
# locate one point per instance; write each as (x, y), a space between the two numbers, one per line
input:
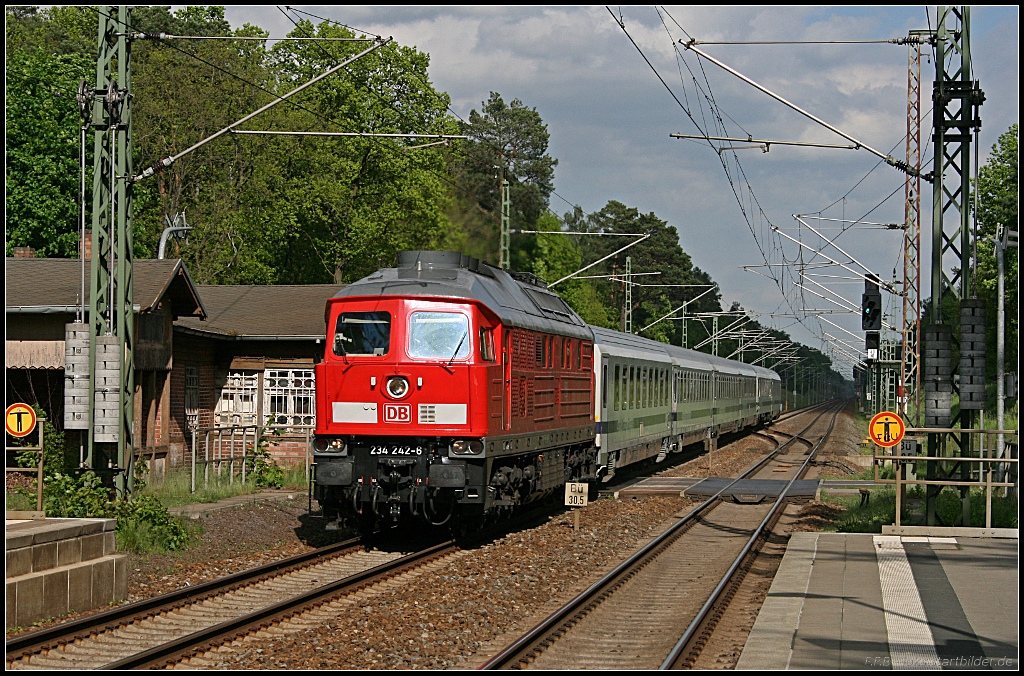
(458, 347)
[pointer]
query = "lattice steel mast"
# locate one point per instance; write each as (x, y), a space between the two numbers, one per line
(910, 376)
(111, 321)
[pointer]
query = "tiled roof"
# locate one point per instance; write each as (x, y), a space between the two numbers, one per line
(56, 282)
(272, 311)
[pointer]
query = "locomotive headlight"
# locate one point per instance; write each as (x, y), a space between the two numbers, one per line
(397, 387)
(328, 444)
(467, 447)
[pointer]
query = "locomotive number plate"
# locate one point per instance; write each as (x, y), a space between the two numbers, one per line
(396, 450)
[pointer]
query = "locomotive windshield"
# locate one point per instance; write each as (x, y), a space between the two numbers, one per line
(438, 335)
(362, 334)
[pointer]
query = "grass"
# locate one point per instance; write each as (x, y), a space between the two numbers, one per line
(881, 510)
(20, 500)
(141, 538)
(176, 488)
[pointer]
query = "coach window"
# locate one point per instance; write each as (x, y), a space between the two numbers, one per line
(631, 390)
(362, 334)
(639, 387)
(618, 391)
(438, 335)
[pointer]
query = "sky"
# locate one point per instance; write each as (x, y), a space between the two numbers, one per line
(610, 115)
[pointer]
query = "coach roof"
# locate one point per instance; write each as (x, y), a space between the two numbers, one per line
(523, 303)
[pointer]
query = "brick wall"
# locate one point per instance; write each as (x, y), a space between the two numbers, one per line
(199, 353)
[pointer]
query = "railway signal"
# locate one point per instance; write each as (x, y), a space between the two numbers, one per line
(871, 307)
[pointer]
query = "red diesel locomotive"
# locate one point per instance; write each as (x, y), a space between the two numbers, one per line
(450, 389)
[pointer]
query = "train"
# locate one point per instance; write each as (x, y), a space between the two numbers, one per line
(453, 392)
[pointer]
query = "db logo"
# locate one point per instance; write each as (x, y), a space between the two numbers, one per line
(397, 413)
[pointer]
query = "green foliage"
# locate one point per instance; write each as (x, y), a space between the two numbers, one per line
(66, 496)
(42, 145)
(949, 509)
(143, 522)
(880, 511)
(661, 252)
(998, 195)
(512, 135)
(263, 470)
(54, 451)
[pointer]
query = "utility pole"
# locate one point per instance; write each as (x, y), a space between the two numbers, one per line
(910, 369)
(111, 317)
(505, 258)
(1004, 238)
(629, 294)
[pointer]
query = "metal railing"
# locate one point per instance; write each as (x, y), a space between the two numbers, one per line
(233, 445)
(987, 464)
(40, 424)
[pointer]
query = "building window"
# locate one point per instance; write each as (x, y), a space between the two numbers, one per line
(237, 404)
(192, 397)
(288, 397)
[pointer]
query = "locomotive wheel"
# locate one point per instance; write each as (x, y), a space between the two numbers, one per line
(461, 526)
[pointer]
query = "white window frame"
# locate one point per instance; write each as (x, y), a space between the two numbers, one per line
(238, 398)
(289, 397)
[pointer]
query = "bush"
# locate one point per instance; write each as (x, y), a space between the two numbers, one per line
(53, 449)
(264, 470)
(143, 522)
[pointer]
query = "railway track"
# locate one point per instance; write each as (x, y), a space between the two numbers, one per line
(168, 628)
(657, 608)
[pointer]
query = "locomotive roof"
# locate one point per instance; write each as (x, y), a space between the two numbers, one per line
(628, 345)
(449, 274)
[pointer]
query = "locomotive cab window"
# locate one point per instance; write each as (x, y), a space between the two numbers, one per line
(364, 334)
(438, 335)
(487, 344)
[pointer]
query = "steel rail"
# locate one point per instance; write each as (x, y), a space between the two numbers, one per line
(674, 659)
(568, 614)
(61, 634)
(206, 639)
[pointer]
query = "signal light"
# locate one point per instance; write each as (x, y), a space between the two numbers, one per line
(871, 312)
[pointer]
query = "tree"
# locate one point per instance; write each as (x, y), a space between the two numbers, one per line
(514, 137)
(998, 194)
(661, 252)
(42, 71)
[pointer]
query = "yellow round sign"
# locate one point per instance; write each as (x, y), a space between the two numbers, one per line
(21, 420)
(886, 429)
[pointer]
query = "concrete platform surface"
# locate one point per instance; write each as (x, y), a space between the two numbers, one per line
(860, 601)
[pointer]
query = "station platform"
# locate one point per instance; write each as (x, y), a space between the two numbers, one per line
(57, 566)
(862, 601)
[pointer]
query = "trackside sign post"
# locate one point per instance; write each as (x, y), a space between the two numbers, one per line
(20, 420)
(576, 496)
(886, 429)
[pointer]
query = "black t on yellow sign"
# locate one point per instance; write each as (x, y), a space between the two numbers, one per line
(21, 420)
(886, 429)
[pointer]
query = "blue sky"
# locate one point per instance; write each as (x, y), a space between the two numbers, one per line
(610, 117)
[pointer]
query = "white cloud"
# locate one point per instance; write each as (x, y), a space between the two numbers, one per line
(610, 117)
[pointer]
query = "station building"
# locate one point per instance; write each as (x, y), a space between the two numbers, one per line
(206, 356)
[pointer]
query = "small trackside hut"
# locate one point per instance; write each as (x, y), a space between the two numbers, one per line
(450, 389)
